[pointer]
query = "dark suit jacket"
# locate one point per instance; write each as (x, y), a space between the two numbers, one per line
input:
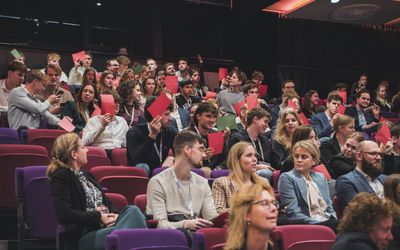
(354, 241)
(321, 124)
(278, 154)
(349, 185)
(70, 110)
(369, 117)
(340, 165)
(140, 147)
(69, 201)
(329, 149)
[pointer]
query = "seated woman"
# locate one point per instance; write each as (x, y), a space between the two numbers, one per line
(310, 104)
(344, 127)
(304, 192)
(392, 193)
(288, 121)
(253, 216)
(344, 162)
(381, 100)
(89, 77)
(80, 201)
(242, 162)
(148, 87)
(303, 132)
(131, 108)
(105, 85)
(82, 109)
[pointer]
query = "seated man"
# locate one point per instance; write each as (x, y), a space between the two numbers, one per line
(367, 118)
(321, 122)
(54, 58)
(186, 98)
(150, 142)
(106, 131)
(257, 123)
(15, 75)
(366, 177)
(23, 107)
(229, 97)
(177, 197)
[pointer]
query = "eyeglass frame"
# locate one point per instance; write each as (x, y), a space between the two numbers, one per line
(267, 203)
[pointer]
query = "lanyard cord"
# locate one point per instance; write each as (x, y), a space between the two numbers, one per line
(190, 202)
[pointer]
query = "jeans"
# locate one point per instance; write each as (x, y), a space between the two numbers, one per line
(266, 173)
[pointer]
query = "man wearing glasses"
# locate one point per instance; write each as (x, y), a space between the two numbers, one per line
(366, 177)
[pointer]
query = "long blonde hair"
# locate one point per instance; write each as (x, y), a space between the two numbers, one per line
(281, 135)
(63, 146)
(233, 162)
(241, 206)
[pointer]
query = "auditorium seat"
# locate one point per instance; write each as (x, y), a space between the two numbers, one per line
(44, 137)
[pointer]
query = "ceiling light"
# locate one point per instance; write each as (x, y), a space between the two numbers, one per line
(335, 1)
(99, 4)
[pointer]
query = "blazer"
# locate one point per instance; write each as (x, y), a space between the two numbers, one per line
(354, 241)
(69, 200)
(329, 149)
(293, 194)
(341, 165)
(369, 117)
(278, 154)
(349, 185)
(223, 189)
(264, 142)
(321, 124)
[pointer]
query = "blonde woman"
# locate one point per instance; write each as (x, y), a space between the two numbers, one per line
(242, 164)
(80, 201)
(253, 216)
(288, 121)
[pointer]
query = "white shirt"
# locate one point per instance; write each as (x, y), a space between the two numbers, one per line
(376, 185)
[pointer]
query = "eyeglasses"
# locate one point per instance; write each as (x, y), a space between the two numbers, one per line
(374, 154)
(201, 149)
(267, 204)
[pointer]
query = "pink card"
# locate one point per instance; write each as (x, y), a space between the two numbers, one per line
(96, 111)
(66, 124)
(107, 105)
(304, 119)
(343, 94)
(216, 141)
(252, 102)
(382, 119)
(171, 83)
(238, 106)
(210, 95)
(262, 90)
(341, 109)
(159, 105)
(78, 56)
(383, 135)
(222, 73)
(292, 104)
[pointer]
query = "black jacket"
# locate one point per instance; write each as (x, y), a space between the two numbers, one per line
(391, 164)
(354, 241)
(69, 201)
(341, 165)
(369, 117)
(278, 155)
(141, 149)
(329, 149)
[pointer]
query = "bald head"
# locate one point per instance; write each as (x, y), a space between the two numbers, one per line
(368, 158)
(366, 145)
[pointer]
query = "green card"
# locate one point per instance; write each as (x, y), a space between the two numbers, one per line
(226, 121)
(15, 53)
(138, 68)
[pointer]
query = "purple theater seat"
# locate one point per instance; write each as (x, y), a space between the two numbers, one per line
(9, 136)
(216, 173)
(122, 239)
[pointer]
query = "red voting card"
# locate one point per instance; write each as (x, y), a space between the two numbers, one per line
(304, 119)
(383, 134)
(171, 83)
(78, 56)
(216, 141)
(262, 90)
(97, 111)
(107, 105)
(238, 106)
(382, 119)
(222, 73)
(292, 104)
(66, 124)
(341, 109)
(252, 102)
(159, 105)
(210, 95)
(343, 94)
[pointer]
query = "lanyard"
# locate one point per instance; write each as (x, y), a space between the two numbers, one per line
(255, 147)
(190, 202)
(159, 151)
(133, 114)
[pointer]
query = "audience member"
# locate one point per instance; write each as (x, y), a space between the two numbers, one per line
(361, 84)
(127, 75)
(396, 103)
(183, 70)
(391, 160)
(54, 58)
(242, 165)
(152, 65)
(148, 87)
(199, 87)
(366, 177)
(392, 193)
(80, 201)
(23, 107)
(289, 95)
(227, 98)
(106, 82)
(287, 85)
(15, 76)
(89, 77)
(170, 69)
(131, 108)
(381, 98)
(253, 217)
(76, 73)
(366, 224)
(310, 104)
(177, 197)
(144, 74)
(123, 62)
(186, 98)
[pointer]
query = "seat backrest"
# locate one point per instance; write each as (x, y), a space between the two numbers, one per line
(206, 238)
(41, 215)
(118, 200)
(312, 244)
(321, 168)
(288, 234)
(122, 239)
(128, 186)
(44, 137)
(141, 202)
(96, 156)
(275, 178)
(118, 157)
(218, 246)
(23, 175)
(103, 171)
(336, 207)
(9, 136)
(158, 170)
(13, 156)
(199, 172)
(216, 173)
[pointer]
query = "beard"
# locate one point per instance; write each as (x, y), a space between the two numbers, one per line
(373, 170)
(196, 164)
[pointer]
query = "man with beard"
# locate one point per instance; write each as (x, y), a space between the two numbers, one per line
(177, 197)
(366, 177)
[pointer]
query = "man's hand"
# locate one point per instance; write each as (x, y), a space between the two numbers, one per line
(53, 99)
(155, 127)
(197, 224)
(105, 120)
